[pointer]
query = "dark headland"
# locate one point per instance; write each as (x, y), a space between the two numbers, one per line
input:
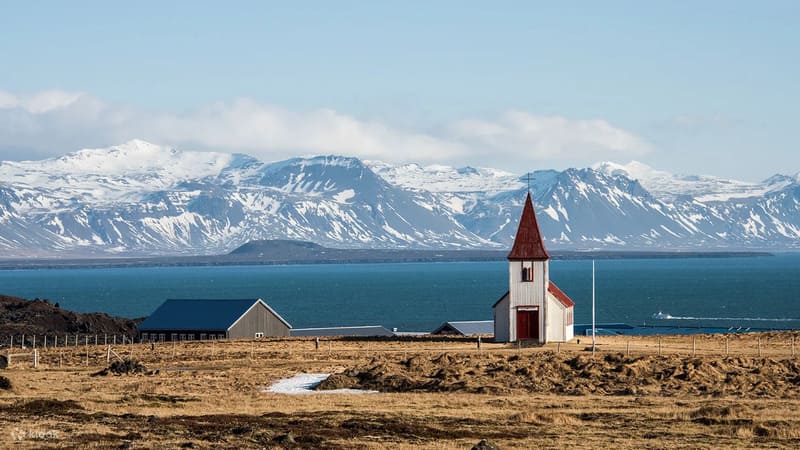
(39, 316)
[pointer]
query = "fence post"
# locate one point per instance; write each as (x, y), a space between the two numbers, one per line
(35, 358)
(34, 340)
(115, 340)
(55, 344)
(316, 343)
(95, 339)
(105, 339)
(22, 344)
(45, 342)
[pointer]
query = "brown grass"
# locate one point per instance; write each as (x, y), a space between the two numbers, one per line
(211, 396)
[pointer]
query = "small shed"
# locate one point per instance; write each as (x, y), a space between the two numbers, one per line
(466, 328)
(201, 319)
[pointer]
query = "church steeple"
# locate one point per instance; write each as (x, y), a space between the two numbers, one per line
(528, 244)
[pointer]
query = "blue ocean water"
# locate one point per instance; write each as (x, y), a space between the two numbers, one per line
(420, 296)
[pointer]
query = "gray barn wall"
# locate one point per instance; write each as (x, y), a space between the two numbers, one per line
(258, 320)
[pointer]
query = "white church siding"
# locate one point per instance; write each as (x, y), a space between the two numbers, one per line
(527, 293)
(556, 315)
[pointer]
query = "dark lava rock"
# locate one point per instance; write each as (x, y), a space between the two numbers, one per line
(5, 383)
(286, 439)
(485, 445)
(124, 367)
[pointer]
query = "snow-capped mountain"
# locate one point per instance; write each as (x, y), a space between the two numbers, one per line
(143, 199)
(703, 188)
(140, 198)
(439, 178)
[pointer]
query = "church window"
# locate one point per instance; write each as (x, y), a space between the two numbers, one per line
(527, 273)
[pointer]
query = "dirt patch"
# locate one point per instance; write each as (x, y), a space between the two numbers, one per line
(545, 372)
(43, 407)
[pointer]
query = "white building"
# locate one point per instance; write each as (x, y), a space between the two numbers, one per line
(534, 307)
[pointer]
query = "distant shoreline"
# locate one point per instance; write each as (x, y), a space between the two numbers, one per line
(350, 256)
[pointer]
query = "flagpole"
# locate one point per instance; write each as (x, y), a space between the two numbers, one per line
(593, 322)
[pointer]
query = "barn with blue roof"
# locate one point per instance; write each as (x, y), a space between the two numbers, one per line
(201, 319)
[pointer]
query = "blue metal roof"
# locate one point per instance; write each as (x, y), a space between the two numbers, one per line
(198, 314)
(466, 327)
(370, 330)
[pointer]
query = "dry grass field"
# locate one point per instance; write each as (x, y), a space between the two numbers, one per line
(641, 392)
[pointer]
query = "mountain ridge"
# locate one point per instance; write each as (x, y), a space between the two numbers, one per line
(140, 199)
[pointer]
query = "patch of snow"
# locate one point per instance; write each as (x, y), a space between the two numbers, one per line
(344, 196)
(550, 211)
(304, 384)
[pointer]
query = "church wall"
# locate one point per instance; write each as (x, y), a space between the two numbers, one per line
(502, 321)
(527, 293)
(557, 312)
(555, 317)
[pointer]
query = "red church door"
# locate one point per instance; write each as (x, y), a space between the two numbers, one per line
(528, 324)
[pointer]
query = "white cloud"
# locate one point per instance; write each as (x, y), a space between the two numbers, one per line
(55, 122)
(531, 137)
(40, 102)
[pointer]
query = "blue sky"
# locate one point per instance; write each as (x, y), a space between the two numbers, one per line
(685, 86)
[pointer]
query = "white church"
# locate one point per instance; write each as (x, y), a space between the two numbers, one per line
(534, 308)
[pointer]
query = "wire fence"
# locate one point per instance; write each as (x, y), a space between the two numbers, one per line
(43, 341)
(60, 350)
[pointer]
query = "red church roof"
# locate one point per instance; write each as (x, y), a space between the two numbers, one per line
(528, 244)
(560, 295)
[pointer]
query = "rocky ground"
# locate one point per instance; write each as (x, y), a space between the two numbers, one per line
(434, 393)
(581, 374)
